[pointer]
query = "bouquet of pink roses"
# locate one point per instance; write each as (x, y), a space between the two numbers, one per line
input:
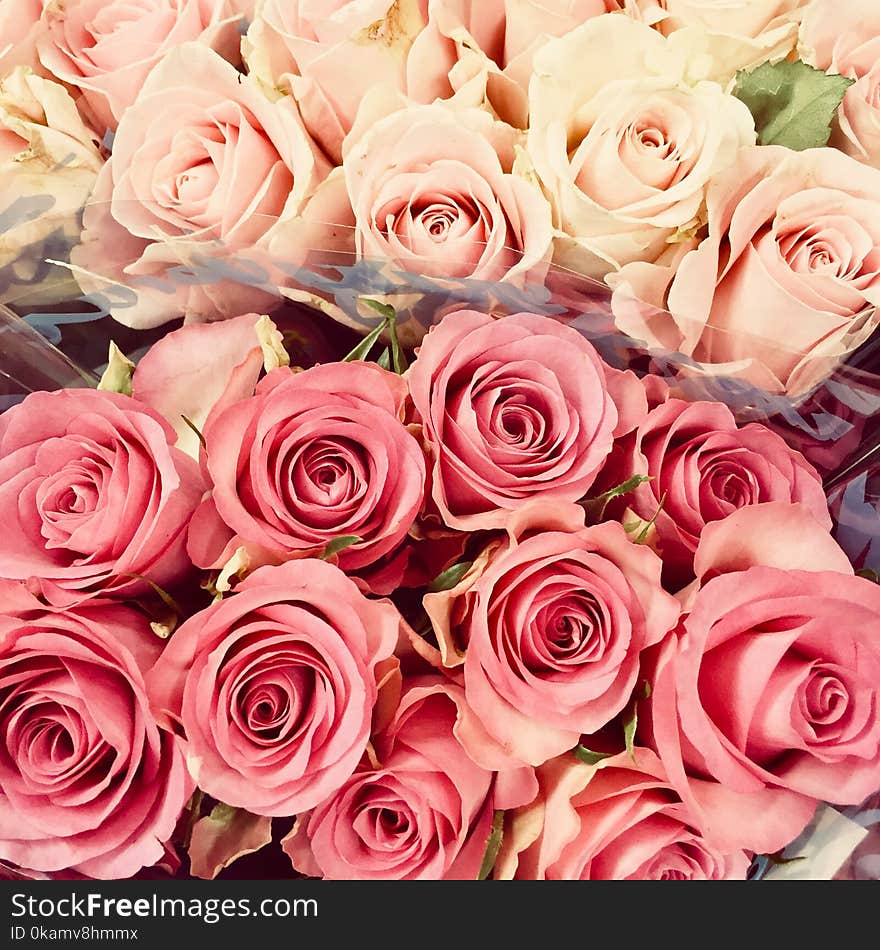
(506, 610)
(483, 477)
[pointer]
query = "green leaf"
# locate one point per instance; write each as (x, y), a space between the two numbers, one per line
(595, 507)
(643, 527)
(869, 575)
(197, 431)
(385, 359)
(793, 104)
(340, 544)
(450, 578)
(362, 350)
(629, 731)
(624, 488)
(387, 311)
(397, 354)
(588, 756)
(493, 846)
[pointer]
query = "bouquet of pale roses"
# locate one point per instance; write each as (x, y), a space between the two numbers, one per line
(489, 484)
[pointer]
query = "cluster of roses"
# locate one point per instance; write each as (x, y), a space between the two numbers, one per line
(504, 611)
(226, 148)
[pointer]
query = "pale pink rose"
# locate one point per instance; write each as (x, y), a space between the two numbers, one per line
(107, 48)
(429, 191)
(771, 692)
(313, 49)
(49, 161)
(844, 38)
(88, 780)
(736, 34)
(475, 54)
(312, 457)
(512, 409)
(275, 686)
(19, 29)
(626, 149)
(797, 231)
(95, 498)
(617, 821)
(554, 631)
(420, 807)
(204, 169)
(703, 467)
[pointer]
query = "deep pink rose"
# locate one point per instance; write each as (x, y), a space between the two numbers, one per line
(703, 467)
(421, 806)
(93, 495)
(513, 409)
(275, 686)
(107, 48)
(312, 457)
(770, 692)
(553, 634)
(617, 821)
(88, 780)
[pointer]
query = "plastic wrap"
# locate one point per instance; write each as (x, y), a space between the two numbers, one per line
(319, 302)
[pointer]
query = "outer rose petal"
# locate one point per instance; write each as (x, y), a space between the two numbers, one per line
(188, 371)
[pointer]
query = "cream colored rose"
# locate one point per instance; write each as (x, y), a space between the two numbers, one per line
(844, 38)
(737, 34)
(49, 161)
(625, 148)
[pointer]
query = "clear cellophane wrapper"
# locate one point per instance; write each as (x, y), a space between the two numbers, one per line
(829, 410)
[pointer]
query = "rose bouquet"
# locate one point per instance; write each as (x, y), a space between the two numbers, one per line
(440, 439)
(506, 610)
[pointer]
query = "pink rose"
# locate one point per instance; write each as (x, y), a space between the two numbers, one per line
(204, 168)
(770, 692)
(275, 686)
(512, 409)
(703, 467)
(107, 48)
(617, 821)
(312, 457)
(314, 48)
(430, 191)
(421, 806)
(736, 34)
(19, 29)
(88, 781)
(798, 231)
(844, 38)
(94, 496)
(554, 631)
